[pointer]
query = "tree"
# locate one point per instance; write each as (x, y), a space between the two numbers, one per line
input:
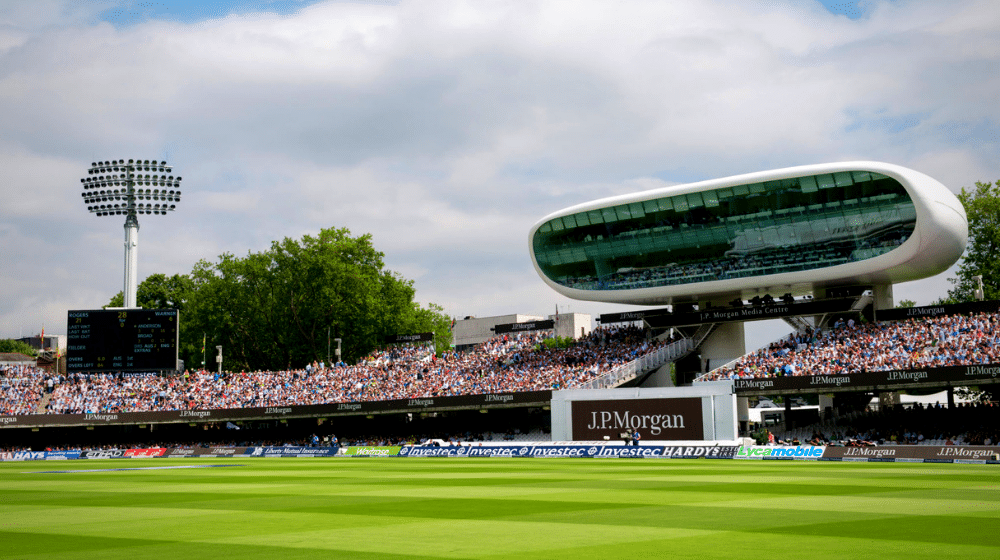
(982, 254)
(11, 346)
(159, 291)
(906, 303)
(274, 309)
(433, 319)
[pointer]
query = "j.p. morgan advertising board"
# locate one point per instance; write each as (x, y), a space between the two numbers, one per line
(666, 419)
(703, 413)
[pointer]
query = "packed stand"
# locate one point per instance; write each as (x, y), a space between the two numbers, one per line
(739, 265)
(508, 363)
(513, 435)
(963, 424)
(398, 353)
(850, 347)
(22, 389)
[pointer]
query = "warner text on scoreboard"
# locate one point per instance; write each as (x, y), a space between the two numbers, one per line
(122, 340)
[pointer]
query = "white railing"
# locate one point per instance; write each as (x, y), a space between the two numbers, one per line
(633, 369)
(707, 376)
(702, 333)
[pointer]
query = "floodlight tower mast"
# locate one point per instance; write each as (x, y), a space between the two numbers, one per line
(117, 188)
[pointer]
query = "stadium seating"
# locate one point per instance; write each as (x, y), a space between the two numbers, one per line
(965, 424)
(507, 363)
(849, 347)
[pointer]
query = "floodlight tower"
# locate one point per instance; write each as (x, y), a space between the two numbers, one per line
(117, 188)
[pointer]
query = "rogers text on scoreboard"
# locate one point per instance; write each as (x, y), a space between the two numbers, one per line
(122, 340)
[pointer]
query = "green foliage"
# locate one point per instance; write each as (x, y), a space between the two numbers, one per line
(10, 346)
(433, 319)
(274, 309)
(906, 303)
(558, 342)
(982, 255)
(158, 291)
(760, 436)
(982, 395)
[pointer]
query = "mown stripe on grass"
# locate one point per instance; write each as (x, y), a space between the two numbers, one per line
(75, 547)
(543, 508)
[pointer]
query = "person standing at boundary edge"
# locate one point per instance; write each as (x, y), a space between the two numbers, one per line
(635, 438)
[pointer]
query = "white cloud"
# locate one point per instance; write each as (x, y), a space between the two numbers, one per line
(447, 128)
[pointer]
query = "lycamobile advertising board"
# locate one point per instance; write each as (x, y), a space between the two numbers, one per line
(780, 452)
(373, 451)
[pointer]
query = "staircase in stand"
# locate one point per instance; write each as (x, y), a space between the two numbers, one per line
(42, 403)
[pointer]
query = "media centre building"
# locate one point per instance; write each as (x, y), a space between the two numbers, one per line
(801, 231)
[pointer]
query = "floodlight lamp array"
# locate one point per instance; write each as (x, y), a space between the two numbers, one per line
(117, 187)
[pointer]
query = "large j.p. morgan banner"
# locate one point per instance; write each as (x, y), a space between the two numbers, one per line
(659, 419)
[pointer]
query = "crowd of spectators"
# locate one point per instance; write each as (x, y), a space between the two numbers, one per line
(852, 347)
(511, 435)
(506, 363)
(963, 424)
(22, 388)
(774, 259)
(395, 354)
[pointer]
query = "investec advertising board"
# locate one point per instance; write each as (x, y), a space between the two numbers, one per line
(706, 412)
(594, 450)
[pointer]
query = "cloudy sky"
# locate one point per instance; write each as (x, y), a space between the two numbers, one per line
(447, 128)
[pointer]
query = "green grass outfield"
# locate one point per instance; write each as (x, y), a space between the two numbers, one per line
(498, 508)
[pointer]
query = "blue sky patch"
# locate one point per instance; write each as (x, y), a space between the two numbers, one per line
(132, 12)
(883, 121)
(855, 9)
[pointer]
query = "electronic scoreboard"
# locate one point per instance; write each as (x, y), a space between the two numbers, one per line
(122, 340)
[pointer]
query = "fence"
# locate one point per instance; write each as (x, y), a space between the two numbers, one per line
(633, 369)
